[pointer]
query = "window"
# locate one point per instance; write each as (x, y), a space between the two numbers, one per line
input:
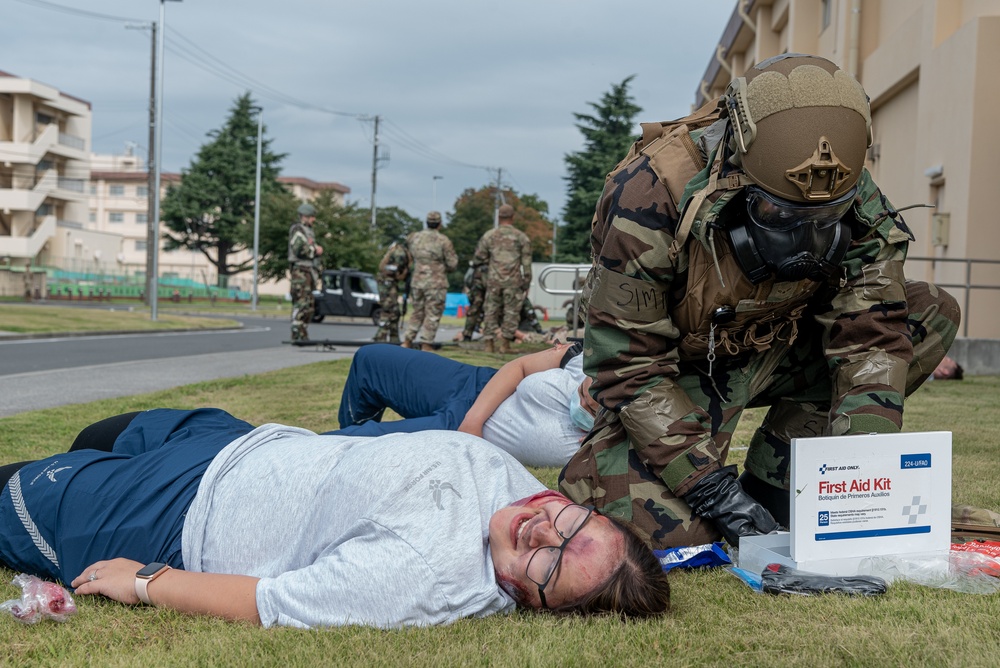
(825, 10)
(92, 217)
(141, 218)
(142, 191)
(140, 245)
(93, 189)
(116, 191)
(116, 217)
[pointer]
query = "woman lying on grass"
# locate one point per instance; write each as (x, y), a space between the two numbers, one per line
(199, 512)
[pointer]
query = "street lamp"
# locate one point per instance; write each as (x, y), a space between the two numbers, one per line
(256, 207)
(434, 190)
(153, 279)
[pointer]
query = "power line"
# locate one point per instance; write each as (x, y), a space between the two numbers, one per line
(79, 12)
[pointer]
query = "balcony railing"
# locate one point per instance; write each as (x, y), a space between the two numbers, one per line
(72, 141)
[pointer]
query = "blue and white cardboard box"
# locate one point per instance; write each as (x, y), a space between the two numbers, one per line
(861, 496)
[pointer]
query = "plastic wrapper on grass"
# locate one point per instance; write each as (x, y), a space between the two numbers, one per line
(780, 579)
(693, 556)
(39, 600)
(969, 572)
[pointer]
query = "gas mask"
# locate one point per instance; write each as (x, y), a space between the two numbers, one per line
(789, 240)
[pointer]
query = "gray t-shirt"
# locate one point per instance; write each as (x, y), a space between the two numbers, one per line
(389, 531)
(533, 424)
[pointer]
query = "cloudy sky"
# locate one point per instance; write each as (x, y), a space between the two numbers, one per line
(462, 87)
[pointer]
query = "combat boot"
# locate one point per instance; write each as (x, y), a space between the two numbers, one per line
(504, 348)
(426, 347)
(488, 345)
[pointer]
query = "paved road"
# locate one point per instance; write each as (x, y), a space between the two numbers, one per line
(47, 372)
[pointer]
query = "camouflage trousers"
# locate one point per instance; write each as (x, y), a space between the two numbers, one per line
(792, 380)
(474, 316)
(502, 309)
(428, 306)
(388, 326)
(303, 282)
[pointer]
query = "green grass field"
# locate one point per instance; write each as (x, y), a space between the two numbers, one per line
(716, 620)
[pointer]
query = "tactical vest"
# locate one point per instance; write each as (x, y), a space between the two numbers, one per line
(395, 264)
(293, 259)
(719, 311)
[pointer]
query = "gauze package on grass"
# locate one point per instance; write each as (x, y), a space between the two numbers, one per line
(39, 600)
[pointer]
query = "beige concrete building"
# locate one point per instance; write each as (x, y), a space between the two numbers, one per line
(44, 152)
(119, 204)
(930, 69)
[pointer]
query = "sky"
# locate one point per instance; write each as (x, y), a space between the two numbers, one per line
(462, 87)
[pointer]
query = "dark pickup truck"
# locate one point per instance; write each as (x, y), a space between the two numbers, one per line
(347, 292)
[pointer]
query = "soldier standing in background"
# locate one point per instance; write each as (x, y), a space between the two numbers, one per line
(433, 256)
(475, 288)
(393, 270)
(507, 252)
(303, 258)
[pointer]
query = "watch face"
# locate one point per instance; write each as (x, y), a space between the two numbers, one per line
(149, 570)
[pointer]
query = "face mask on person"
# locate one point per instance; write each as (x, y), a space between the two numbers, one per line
(579, 415)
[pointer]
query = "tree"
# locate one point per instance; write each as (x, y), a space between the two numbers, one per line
(607, 134)
(473, 216)
(211, 210)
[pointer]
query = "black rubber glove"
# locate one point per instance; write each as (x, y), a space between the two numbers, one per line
(720, 498)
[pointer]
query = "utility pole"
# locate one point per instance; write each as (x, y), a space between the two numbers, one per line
(151, 221)
(151, 152)
(374, 171)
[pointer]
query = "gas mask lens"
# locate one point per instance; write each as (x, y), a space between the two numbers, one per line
(781, 215)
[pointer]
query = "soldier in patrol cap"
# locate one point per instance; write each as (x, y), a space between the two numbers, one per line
(433, 256)
(744, 257)
(506, 252)
(303, 263)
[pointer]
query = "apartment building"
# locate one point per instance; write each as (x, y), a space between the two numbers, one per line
(44, 168)
(119, 204)
(929, 68)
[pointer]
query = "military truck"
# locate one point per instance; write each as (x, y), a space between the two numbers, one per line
(347, 292)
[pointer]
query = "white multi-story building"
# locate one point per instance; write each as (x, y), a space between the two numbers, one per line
(119, 204)
(44, 169)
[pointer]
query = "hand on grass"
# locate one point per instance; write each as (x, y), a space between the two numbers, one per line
(115, 579)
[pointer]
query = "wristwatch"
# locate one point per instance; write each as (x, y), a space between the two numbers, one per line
(144, 576)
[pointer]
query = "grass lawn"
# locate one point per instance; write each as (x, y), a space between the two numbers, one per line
(37, 319)
(716, 619)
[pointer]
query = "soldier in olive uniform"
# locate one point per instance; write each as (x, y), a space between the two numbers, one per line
(433, 256)
(303, 262)
(475, 288)
(506, 251)
(744, 257)
(392, 271)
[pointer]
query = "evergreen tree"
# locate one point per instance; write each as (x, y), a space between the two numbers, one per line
(607, 134)
(211, 210)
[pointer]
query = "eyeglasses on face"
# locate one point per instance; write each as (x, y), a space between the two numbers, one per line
(545, 561)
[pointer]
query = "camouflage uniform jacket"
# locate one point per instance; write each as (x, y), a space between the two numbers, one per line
(507, 252)
(634, 343)
(301, 246)
(433, 256)
(395, 264)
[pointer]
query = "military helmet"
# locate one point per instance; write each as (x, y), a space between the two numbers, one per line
(307, 210)
(801, 127)
(434, 218)
(506, 211)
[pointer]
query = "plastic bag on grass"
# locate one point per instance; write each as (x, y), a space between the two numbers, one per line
(39, 599)
(967, 572)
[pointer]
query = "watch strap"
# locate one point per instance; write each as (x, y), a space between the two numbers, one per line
(142, 582)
